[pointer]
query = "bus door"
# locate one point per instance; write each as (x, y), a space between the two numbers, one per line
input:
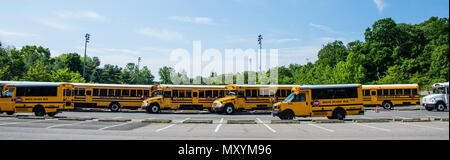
(7, 100)
(301, 104)
(194, 96)
(373, 95)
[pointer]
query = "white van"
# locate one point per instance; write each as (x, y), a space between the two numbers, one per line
(439, 99)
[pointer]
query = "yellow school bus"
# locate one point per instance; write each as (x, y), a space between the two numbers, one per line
(250, 97)
(112, 96)
(39, 98)
(182, 97)
(391, 95)
(332, 101)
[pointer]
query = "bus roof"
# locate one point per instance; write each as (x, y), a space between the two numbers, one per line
(329, 86)
(260, 86)
(445, 84)
(31, 84)
(110, 85)
(190, 86)
(390, 85)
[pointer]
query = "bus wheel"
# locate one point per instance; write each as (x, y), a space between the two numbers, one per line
(440, 106)
(339, 114)
(10, 112)
(229, 109)
(287, 115)
(52, 114)
(154, 108)
(387, 105)
(115, 107)
(39, 111)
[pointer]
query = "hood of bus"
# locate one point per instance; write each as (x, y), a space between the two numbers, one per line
(433, 98)
(153, 99)
(225, 99)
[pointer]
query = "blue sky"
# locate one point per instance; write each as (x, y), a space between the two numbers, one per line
(122, 31)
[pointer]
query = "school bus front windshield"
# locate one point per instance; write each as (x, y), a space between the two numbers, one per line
(230, 93)
(289, 98)
(440, 90)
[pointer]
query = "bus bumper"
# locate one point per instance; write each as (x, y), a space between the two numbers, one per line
(275, 113)
(217, 109)
(429, 106)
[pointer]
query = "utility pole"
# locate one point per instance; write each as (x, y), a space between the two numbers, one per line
(260, 54)
(139, 61)
(87, 36)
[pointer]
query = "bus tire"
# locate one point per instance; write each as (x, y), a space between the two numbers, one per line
(52, 114)
(387, 105)
(440, 106)
(154, 108)
(287, 115)
(339, 114)
(114, 107)
(39, 111)
(229, 109)
(10, 112)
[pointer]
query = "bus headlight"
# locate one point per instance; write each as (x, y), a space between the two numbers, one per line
(276, 107)
(220, 105)
(433, 100)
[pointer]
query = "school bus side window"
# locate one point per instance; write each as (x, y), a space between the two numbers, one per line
(167, 94)
(95, 92)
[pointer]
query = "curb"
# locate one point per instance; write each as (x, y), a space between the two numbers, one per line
(114, 120)
(26, 117)
(156, 121)
(198, 121)
(284, 122)
(241, 122)
(416, 120)
(328, 121)
(371, 120)
(75, 119)
(7, 116)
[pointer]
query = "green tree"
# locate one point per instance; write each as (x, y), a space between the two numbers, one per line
(37, 72)
(164, 74)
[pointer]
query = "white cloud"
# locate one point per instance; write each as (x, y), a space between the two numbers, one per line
(380, 5)
(162, 34)
(81, 15)
(4, 33)
(324, 28)
(57, 25)
(195, 20)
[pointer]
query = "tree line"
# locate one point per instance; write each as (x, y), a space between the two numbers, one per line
(391, 53)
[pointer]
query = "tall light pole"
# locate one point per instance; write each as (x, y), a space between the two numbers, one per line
(260, 54)
(87, 36)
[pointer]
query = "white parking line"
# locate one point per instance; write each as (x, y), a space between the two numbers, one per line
(383, 129)
(218, 126)
(329, 130)
(164, 128)
(260, 121)
(158, 130)
(115, 125)
(60, 125)
(416, 125)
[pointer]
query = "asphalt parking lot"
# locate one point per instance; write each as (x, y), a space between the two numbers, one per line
(414, 124)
